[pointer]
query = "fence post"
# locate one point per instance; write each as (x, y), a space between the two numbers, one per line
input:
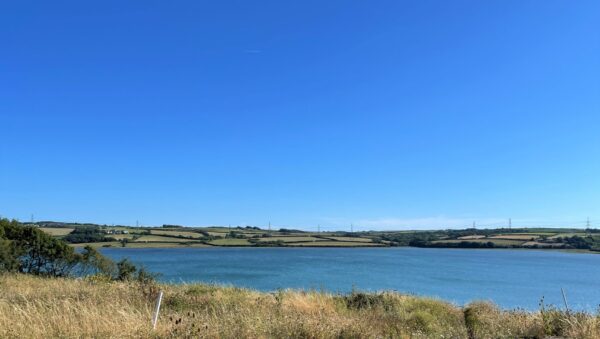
(565, 299)
(156, 310)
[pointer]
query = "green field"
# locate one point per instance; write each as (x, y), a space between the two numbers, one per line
(177, 233)
(351, 239)
(335, 244)
(290, 239)
(560, 238)
(562, 235)
(218, 229)
(522, 237)
(121, 236)
(230, 242)
(158, 238)
(98, 244)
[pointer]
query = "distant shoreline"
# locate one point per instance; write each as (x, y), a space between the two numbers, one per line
(580, 251)
(174, 236)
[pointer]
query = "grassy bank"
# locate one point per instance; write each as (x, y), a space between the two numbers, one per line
(34, 307)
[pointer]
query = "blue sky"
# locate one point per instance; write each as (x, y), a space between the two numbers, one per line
(381, 114)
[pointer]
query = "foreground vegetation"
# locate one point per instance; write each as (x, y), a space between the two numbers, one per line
(48, 289)
(30, 250)
(41, 307)
(178, 236)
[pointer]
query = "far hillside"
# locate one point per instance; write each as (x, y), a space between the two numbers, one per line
(82, 234)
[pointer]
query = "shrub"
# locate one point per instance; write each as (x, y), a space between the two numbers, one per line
(359, 300)
(26, 249)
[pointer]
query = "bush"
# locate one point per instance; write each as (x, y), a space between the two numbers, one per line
(26, 249)
(360, 300)
(94, 263)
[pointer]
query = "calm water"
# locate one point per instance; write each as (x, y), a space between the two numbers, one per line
(510, 278)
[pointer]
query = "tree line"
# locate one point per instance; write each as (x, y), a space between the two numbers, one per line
(26, 249)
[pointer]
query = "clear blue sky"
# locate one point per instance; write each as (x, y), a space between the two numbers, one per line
(384, 114)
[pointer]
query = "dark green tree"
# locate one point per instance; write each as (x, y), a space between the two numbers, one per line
(125, 270)
(93, 262)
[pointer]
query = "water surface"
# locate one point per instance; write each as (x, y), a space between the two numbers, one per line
(510, 278)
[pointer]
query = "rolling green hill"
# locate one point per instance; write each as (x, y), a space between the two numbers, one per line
(178, 236)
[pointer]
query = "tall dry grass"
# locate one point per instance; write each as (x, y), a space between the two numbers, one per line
(33, 307)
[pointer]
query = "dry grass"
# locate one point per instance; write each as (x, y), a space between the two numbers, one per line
(231, 242)
(469, 237)
(56, 232)
(47, 308)
(485, 320)
(32, 307)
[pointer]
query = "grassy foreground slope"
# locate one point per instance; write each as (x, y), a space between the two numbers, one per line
(35, 307)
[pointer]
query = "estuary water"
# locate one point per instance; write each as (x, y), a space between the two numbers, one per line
(510, 278)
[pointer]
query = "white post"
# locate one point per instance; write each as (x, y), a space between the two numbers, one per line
(565, 299)
(156, 310)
